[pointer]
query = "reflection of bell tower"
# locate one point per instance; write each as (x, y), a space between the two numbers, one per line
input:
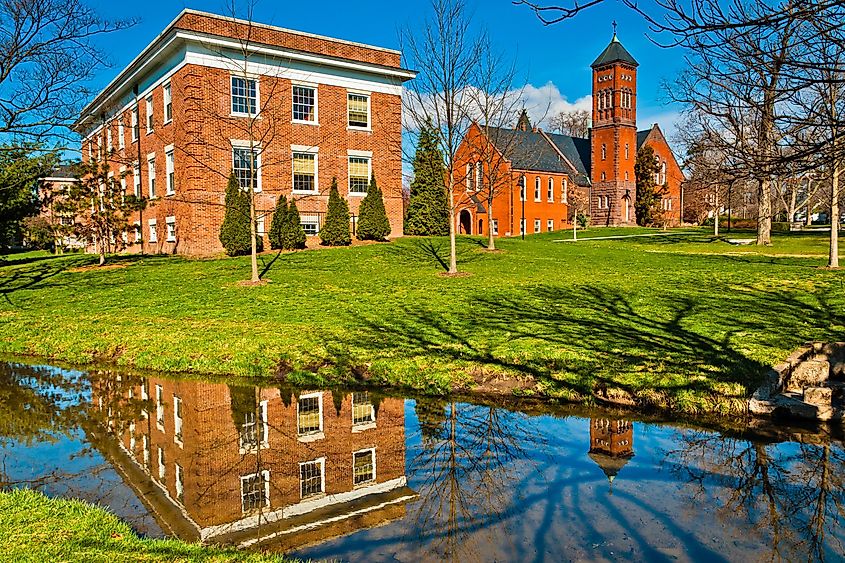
(611, 444)
(614, 136)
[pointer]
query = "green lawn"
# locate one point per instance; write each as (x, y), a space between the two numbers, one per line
(679, 321)
(35, 528)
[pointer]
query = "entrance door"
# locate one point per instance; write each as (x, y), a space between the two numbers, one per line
(465, 223)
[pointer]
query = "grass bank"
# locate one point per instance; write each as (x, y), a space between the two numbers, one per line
(684, 322)
(35, 528)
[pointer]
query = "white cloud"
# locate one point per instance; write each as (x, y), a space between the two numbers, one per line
(545, 101)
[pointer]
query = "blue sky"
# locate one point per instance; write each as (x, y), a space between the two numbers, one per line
(555, 59)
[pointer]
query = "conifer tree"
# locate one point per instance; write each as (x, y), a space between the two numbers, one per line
(649, 195)
(335, 231)
(293, 236)
(428, 209)
(235, 235)
(280, 216)
(372, 217)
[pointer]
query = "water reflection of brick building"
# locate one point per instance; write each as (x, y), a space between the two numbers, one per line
(222, 462)
(611, 444)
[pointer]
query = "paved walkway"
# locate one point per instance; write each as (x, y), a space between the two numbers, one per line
(625, 236)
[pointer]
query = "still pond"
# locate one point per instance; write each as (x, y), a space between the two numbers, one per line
(356, 475)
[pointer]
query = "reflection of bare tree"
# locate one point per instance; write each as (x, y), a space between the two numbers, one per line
(467, 459)
(793, 494)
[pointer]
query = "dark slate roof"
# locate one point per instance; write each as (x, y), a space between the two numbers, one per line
(531, 151)
(641, 137)
(63, 171)
(613, 53)
(577, 151)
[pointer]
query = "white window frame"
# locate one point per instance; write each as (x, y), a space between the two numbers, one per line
(316, 104)
(256, 148)
(260, 226)
(315, 152)
(145, 450)
(364, 424)
(262, 428)
(564, 188)
(308, 220)
(495, 227)
(375, 474)
(362, 155)
(550, 225)
(169, 221)
(152, 227)
(550, 190)
(177, 421)
(137, 225)
(538, 189)
(180, 482)
(135, 123)
(234, 113)
(479, 175)
(322, 462)
(170, 171)
(136, 179)
(167, 96)
(161, 468)
(538, 226)
(151, 175)
(265, 478)
(150, 122)
(159, 404)
(109, 140)
(121, 134)
(368, 95)
(311, 433)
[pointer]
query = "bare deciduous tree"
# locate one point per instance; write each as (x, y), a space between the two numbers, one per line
(446, 54)
(48, 52)
(575, 123)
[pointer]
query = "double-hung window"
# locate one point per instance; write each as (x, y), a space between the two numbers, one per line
(180, 483)
(149, 115)
(135, 131)
(177, 402)
(358, 110)
(363, 410)
(550, 225)
(153, 230)
(246, 163)
(151, 174)
(537, 189)
(311, 478)
(171, 175)
(109, 145)
(364, 466)
(564, 189)
(304, 172)
(550, 191)
(168, 103)
(255, 492)
(136, 179)
(121, 141)
(160, 406)
(161, 465)
(244, 96)
(254, 432)
(359, 174)
(309, 414)
(304, 104)
(536, 225)
(170, 223)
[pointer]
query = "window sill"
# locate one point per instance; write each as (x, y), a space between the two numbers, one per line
(153, 241)
(160, 426)
(233, 114)
(150, 131)
(363, 427)
(152, 197)
(170, 240)
(357, 194)
(311, 437)
(168, 122)
(304, 192)
(168, 194)
(178, 442)
(300, 122)
(362, 129)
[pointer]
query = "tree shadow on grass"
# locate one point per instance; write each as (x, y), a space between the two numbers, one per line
(434, 251)
(590, 339)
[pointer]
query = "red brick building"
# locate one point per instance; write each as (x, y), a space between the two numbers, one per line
(212, 94)
(534, 172)
(246, 465)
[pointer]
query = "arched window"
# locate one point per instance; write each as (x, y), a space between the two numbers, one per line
(479, 175)
(537, 188)
(663, 172)
(603, 176)
(626, 151)
(564, 188)
(604, 152)
(469, 176)
(550, 191)
(522, 182)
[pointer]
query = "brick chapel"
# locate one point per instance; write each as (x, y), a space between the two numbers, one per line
(532, 173)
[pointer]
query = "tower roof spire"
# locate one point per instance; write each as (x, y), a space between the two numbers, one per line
(614, 52)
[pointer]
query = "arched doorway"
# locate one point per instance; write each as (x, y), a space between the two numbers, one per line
(465, 222)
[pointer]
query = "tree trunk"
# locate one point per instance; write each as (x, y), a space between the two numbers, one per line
(254, 253)
(764, 212)
(491, 241)
(453, 255)
(808, 220)
(716, 212)
(102, 252)
(833, 259)
(793, 201)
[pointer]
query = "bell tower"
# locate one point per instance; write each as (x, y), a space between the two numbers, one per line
(614, 136)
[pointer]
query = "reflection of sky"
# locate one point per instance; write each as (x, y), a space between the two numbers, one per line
(560, 505)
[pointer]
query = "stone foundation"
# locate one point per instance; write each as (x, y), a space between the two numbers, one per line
(810, 384)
